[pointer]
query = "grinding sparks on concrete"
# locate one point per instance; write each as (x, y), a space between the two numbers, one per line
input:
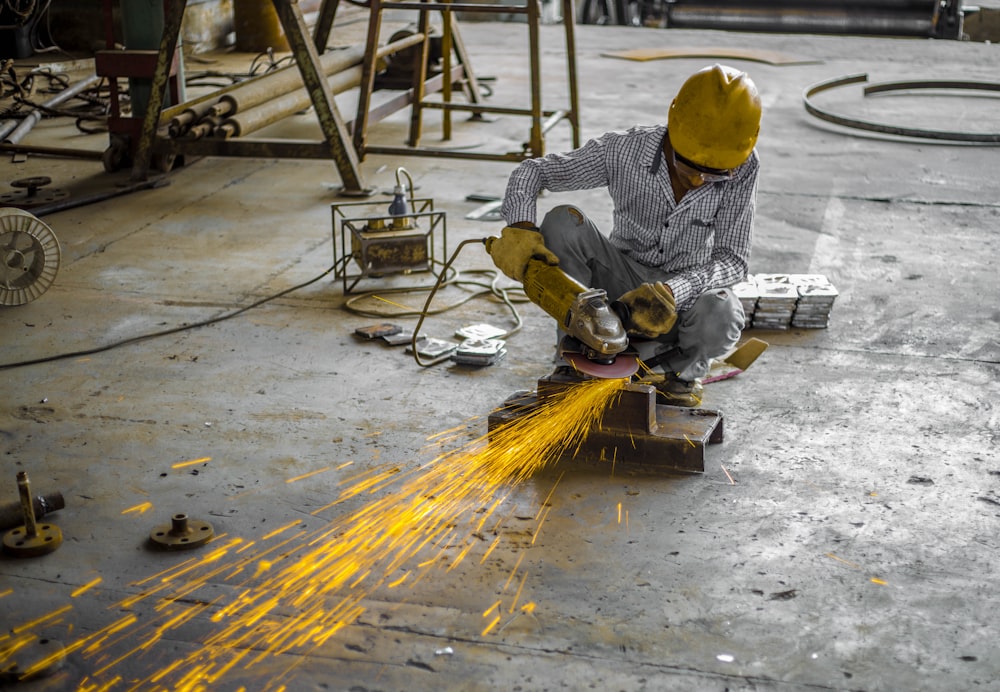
(298, 588)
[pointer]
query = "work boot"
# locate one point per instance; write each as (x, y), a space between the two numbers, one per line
(674, 391)
(678, 392)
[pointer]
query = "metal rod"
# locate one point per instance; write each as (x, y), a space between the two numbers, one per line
(446, 153)
(35, 115)
(457, 7)
(51, 151)
(24, 488)
(537, 144)
(569, 17)
(446, 48)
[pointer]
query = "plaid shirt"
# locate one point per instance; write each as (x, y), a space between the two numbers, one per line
(700, 244)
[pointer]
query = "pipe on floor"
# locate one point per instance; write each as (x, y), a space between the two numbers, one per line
(35, 115)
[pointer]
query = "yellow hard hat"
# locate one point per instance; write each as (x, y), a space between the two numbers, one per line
(715, 117)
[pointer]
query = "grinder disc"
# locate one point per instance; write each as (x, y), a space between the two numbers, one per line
(29, 257)
(623, 366)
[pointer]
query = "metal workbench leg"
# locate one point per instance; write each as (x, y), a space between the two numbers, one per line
(324, 24)
(368, 69)
(569, 18)
(334, 130)
(420, 78)
(173, 14)
(536, 141)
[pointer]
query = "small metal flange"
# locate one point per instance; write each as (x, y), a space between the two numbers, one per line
(33, 195)
(20, 543)
(182, 533)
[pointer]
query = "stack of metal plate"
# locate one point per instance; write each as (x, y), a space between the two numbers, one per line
(748, 293)
(777, 297)
(816, 296)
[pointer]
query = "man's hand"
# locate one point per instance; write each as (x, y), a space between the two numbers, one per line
(650, 310)
(515, 247)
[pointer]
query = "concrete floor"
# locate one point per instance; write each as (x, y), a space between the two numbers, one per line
(842, 537)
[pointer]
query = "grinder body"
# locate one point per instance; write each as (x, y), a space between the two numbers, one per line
(583, 313)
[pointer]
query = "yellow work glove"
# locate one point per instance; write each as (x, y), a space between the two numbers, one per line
(515, 247)
(651, 310)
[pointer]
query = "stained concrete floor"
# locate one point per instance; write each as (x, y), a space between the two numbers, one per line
(842, 537)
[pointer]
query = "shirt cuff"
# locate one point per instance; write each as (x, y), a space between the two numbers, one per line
(683, 292)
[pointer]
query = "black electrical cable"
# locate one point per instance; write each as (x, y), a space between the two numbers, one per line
(503, 294)
(166, 332)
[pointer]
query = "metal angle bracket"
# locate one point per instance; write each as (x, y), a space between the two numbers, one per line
(635, 430)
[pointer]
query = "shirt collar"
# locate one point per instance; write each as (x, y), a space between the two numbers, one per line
(654, 167)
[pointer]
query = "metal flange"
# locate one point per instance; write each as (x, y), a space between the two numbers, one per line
(182, 533)
(31, 539)
(33, 195)
(20, 542)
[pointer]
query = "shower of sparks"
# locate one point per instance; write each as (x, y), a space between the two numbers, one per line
(299, 588)
(140, 508)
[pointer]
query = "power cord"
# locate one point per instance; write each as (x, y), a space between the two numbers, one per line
(448, 276)
(166, 332)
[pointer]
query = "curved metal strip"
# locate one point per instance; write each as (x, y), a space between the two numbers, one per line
(897, 130)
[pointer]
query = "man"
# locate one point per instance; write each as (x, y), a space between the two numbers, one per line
(684, 195)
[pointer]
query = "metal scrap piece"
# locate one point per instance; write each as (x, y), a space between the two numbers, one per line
(901, 131)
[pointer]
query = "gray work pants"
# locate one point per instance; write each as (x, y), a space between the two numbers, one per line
(709, 329)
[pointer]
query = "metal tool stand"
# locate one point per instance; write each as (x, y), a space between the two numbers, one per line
(635, 430)
(460, 72)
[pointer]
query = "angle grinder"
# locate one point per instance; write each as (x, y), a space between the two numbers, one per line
(598, 340)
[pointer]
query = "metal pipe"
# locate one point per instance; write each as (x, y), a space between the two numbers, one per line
(252, 119)
(36, 115)
(12, 514)
(861, 21)
(254, 92)
(7, 126)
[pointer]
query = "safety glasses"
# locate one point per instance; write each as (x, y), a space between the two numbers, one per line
(693, 170)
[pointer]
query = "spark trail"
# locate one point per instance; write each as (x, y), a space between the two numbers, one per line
(295, 594)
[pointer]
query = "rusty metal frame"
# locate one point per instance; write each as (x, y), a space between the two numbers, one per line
(346, 142)
(336, 143)
(635, 431)
(898, 130)
(541, 120)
